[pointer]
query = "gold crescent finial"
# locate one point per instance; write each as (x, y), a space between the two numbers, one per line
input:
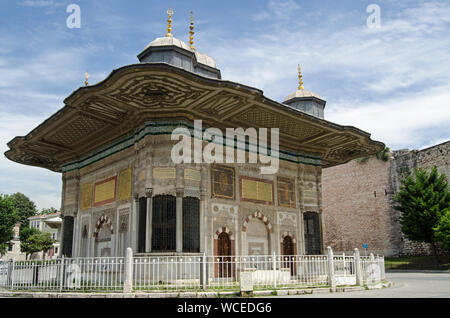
(191, 32)
(300, 78)
(86, 77)
(169, 23)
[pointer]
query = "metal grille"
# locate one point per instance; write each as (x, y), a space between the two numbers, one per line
(67, 236)
(312, 233)
(164, 223)
(191, 224)
(142, 224)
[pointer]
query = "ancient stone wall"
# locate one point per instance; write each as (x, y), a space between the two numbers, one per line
(358, 201)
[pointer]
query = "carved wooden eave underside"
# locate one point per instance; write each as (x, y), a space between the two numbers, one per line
(95, 116)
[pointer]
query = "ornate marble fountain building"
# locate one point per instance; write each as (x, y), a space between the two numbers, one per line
(112, 143)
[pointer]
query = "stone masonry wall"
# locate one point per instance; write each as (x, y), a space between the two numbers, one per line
(358, 201)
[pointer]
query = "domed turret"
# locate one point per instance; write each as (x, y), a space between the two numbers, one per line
(305, 100)
(173, 51)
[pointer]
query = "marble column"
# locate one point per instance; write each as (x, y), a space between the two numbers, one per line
(134, 224)
(148, 231)
(301, 208)
(179, 224)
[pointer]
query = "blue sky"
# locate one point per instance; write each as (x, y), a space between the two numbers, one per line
(393, 81)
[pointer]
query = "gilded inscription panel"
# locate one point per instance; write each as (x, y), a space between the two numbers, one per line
(105, 191)
(164, 173)
(86, 196)
(223, 185)
(286, 192)
(256, 190)
(191, 174)
(142, 175)
(124, 191)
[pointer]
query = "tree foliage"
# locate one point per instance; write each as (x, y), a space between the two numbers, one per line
(8, 218)
(26, 232)
(442, 230)
(24, 207)
(423, 200)
(48, 211)
(37, 242)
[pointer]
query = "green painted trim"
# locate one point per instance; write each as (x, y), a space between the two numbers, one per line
(166, 128)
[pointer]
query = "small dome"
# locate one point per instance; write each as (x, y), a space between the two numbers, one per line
(168, 41)
(171, 41)
(302, 93)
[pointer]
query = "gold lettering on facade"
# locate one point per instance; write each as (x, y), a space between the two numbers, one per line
(105, 191)
(191, 174)
(142, 175)
(254, 190)
(164, 173)
(86, 196)
(70, 199)
(124, 191)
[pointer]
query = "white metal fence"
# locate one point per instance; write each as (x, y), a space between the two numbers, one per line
(63, 274)
(194, 272)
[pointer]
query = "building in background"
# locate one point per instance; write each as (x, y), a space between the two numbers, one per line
(48, 223)
(358, 201)
(13, 252)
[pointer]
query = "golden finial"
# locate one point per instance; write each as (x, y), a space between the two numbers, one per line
(86, 77)
(300, 78)
(169, 23)
(191, 32)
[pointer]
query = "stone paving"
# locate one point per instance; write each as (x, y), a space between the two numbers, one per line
(260, 293)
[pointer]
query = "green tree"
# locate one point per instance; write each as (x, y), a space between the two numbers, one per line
(423, 201)
(48, 211)
(26, 232)
(8, 217)
(37, 242)
(442, 230)
(24, 206)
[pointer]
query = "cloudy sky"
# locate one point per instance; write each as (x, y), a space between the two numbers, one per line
(392, 81)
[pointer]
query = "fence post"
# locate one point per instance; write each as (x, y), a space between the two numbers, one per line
(331, 278)
(274, 264)
(10, 280)
(128, 283)
(61, 274)
(204, 271)
(358, 269)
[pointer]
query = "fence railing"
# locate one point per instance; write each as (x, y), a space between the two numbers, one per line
(194, 272)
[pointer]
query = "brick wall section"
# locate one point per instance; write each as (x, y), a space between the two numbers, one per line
(353, 215)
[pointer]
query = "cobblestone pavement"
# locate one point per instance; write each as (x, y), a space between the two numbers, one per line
(407, 285)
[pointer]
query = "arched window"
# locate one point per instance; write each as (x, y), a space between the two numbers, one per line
(312, 233)
(164, 218)
(191, 224)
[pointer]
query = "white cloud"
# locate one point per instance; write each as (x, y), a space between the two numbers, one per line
(391, 82)
(42, 186)
(281, 9)
(400, 122)
(37, 3)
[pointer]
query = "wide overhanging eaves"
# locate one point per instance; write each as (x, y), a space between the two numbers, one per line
(96, 116)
